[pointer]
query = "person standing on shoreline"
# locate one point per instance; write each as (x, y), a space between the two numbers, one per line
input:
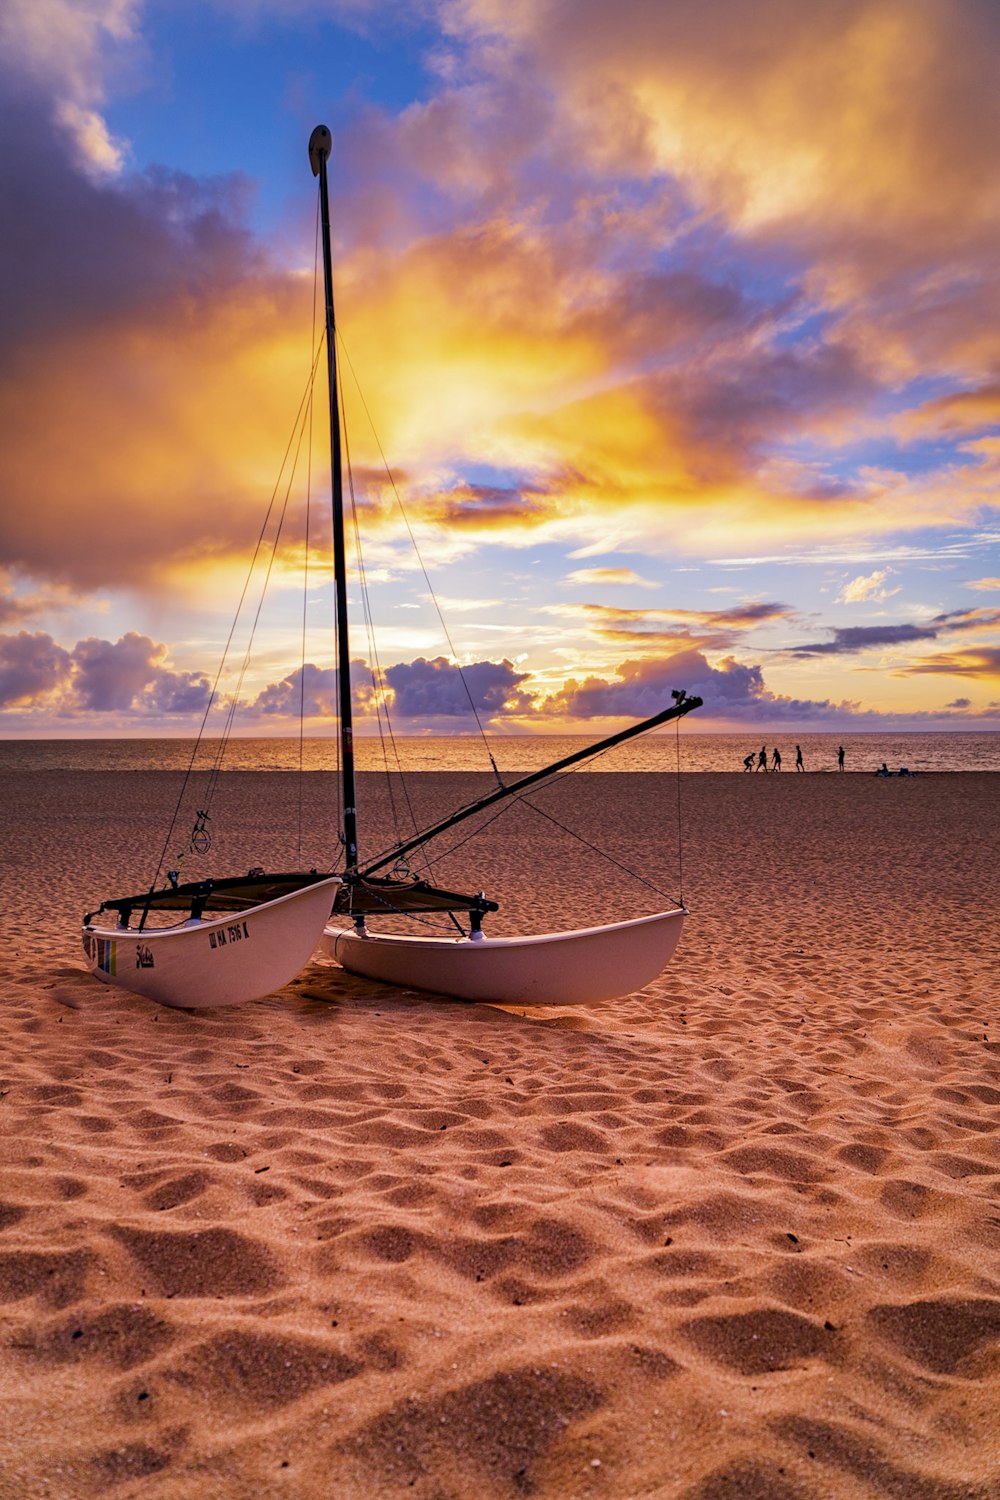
(762, 759)
(799, 766)
(840, 758)
(776, 759)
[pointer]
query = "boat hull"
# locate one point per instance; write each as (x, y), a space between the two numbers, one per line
(223, 960)
(563, 968)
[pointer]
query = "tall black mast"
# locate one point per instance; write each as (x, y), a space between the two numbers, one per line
(320, 146)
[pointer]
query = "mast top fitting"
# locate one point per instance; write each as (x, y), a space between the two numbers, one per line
(320, 146)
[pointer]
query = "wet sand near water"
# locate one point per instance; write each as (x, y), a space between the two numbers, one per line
(736, 1237)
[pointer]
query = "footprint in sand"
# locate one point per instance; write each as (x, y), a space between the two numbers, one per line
(123, 1335)
(940, 1334)
(497, 1429)
(201, 1263)
(241, 1371)
(761, 1341)
(57, 1277)
(748, 1479)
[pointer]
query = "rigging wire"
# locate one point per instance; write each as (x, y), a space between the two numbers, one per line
(619, 864)
(381, 706)
(523, 796)
(420, 560)
(382, 710)
(516, 797)
(213, 695)
(426, 860)
(234, 700)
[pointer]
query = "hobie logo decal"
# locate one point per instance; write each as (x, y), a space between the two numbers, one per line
(221, 937)
(144, 956)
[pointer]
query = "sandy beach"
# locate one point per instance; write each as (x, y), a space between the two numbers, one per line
(736, 1237)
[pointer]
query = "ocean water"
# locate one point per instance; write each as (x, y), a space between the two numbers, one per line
(516, 753)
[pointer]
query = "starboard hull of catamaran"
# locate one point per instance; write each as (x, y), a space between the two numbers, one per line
(562, 968)
(216, 961)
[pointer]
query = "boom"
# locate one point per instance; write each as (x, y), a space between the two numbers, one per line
(682, 705)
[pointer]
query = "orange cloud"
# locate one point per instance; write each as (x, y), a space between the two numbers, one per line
(982, 661)
(960, 411)
(666, 631)
(148, 446)
(861, 115)
(857, 137)
(613, 576)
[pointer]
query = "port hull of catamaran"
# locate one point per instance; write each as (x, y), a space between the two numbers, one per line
(224, 960)
(563, 968)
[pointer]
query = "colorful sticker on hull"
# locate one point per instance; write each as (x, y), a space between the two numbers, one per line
(107, 956)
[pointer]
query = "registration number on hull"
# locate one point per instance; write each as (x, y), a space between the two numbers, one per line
(235, 932)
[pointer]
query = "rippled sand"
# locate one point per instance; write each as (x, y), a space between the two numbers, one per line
(733, 1238)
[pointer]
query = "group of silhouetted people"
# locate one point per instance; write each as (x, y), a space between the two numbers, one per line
(757, 761)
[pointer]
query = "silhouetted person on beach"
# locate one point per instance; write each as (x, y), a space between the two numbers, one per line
(840, 758)
(776, 759)
(748, 762)
(798, 758)
(762, 759)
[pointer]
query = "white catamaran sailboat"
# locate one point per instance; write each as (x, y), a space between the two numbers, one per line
(563, 968)
(242, 937)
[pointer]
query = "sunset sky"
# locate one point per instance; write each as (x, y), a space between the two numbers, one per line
(676, 322)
